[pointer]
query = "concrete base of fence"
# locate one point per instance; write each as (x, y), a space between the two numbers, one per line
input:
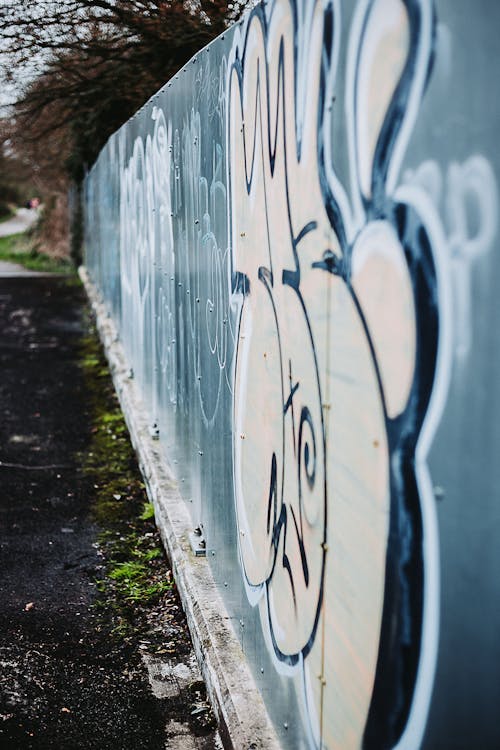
(243, 720)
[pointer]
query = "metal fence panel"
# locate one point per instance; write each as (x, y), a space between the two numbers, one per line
(297, 237)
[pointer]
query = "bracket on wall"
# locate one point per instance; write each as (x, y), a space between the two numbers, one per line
(197, 542)
(154, 431)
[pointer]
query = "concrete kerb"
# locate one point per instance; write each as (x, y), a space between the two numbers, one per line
(241, 714)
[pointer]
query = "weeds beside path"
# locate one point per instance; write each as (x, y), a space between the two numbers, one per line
(17, 248)
(94, 648)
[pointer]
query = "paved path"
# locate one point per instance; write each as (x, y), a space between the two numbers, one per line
(21, 222)
(11, 270)
(65, 682)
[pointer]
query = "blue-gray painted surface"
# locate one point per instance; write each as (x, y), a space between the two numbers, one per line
(298, 240)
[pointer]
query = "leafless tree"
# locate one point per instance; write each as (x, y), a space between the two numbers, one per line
(80, 68)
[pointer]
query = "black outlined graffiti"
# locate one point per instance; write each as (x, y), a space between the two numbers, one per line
(291, 564)
(338, 302)
(342, 295)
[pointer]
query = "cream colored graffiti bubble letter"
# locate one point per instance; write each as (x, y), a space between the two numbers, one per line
(311, 489)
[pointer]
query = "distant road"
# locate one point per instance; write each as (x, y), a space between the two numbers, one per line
(23, 220)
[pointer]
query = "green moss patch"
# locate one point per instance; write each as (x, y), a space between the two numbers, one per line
(136, 590)
(137, 603)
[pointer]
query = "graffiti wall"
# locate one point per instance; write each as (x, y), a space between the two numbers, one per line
(298, 240)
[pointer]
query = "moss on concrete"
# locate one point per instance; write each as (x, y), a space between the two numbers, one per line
(136, 576)
(137, 597)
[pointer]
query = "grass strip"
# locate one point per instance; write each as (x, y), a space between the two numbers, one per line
(16, 248)
(136, 587)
